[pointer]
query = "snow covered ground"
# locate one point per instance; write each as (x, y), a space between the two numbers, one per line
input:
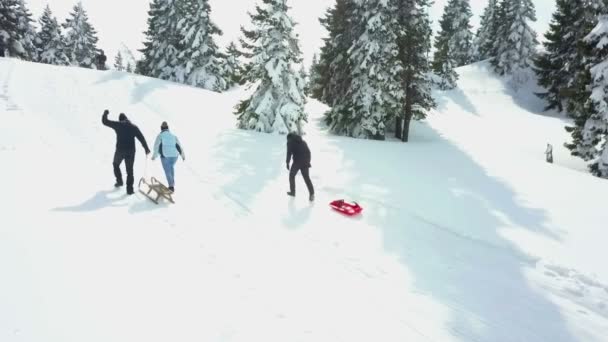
(467, 233)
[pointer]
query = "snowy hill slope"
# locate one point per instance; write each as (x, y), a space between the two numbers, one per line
(466, 235)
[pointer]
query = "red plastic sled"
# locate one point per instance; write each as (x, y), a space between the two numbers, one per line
(346, 208)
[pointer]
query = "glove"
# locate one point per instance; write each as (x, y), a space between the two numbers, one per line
(183, 157)
(106, 112)
(153, 157)
(287, 166)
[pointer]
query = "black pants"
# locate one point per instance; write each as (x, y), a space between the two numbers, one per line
(293, 171)
(129, 158)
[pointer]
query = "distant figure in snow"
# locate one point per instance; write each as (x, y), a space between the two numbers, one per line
(1, 46)
(169, 148)
(126, 132)
(298, 149)
(101, 61)
(549, 153)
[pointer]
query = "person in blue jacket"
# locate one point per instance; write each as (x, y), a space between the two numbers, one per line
(169, 148)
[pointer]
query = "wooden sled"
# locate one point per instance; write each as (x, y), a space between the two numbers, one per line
(158, 188)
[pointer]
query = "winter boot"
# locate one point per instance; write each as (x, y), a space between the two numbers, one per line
(289, 193)
(312, 197)
(117, 184)
(172, 189)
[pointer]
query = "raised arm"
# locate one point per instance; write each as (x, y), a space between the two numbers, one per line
(108, 122)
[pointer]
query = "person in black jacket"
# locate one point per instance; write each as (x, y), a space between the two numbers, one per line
(298, 149)
(101, 60)
(126, 132)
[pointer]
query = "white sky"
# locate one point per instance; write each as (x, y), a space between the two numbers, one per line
(124, 21)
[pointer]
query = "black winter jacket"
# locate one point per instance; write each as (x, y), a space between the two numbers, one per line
(126, 132)
(298, 149)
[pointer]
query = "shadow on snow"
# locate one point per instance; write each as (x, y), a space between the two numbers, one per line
(442, 216)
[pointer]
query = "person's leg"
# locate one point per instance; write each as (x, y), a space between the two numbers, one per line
(293, 171)
(129, 161)
(118, 157)
(306, 175)
(165, 163)
(172, 162)
(169, 167)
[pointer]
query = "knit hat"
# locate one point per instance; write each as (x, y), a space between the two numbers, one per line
(122, 117)
(164, 125)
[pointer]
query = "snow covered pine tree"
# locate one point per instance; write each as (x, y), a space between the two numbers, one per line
(313, 77)
(453, 43)
(563, 69)
(414, 40)
(333, 68)
(199, 61)
(277, 105)
(232, 66)
(516, 41)
(16, 31)
(50, 44)
(156, 40)
(590, 143)
(483, 46)
(563, 57)
(81, 39)
(375, 92)
(26, 31)
(118, 62)
(180, 46)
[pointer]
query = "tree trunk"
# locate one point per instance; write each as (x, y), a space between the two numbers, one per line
(398, 126)
(406, 129)
(408, 112)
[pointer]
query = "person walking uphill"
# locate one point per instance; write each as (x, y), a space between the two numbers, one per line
(298, 149)
(126, 132)
(169, 148)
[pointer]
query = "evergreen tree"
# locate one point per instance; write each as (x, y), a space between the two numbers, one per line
(333, 68)
(444, 68)
(277, 105)
(26, 31)
(9, 39)
(233, 68)
(199, 61)
(304, 80)
(374, 93)
(390, 70)
(455, 34)
(414, 42)
(180, 44)
(118, 62)
(483, 46)
(572, 21)
(81, 38)
(314, 77)
(144, 66)
(453, 44)
(515, 42)
(129, 67)
(162, 41)
(16, 31)
(50, 44)
(591, 118)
